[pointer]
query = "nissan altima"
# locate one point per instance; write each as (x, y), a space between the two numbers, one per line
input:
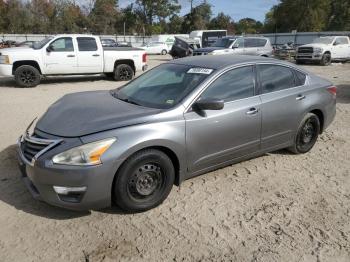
(129, 146)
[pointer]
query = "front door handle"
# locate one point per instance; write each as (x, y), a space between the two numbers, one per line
(95, 55)
(252, 111)
(70, 55)
(300, 97)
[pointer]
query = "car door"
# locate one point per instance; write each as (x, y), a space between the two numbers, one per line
(214, 137)
(250, 46)
(90, 57)
(343, 47)
(238, 46)
(60, 57)
(283, 102)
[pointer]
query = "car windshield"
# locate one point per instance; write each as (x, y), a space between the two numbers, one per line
(323, 40)
(42, 43)
(223, 42)
(162, 87)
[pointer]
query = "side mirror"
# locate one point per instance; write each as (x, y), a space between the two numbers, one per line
(336, 43)
(208, 104)
(49, 49)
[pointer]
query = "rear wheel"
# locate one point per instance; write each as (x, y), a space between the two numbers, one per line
(164, 52)
(27, 76)
(123, 72)
(307, 134)
(326, 59)
(144, 181)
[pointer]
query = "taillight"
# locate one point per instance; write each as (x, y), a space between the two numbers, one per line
(332, 90)
(144, 58)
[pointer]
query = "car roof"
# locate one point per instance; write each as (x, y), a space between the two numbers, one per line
(223, 61)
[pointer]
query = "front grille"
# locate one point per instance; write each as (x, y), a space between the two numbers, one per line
(305, 50)
(34, 146)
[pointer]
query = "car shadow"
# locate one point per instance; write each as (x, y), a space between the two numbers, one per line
(10, 82)
(14, 193)
(343, 94)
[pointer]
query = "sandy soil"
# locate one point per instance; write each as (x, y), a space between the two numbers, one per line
(278, 207)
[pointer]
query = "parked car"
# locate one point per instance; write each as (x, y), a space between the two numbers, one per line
(259, 46)
(26, 44)
(324, 50)
(181, 119)
(70, 55)
(156, 48)
(183, 47)
(108, 42)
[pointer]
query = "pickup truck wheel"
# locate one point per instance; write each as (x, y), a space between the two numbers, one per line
(123, 72)
(326, 60)
(307, 134)
(144, 181)
(164, 52)
(27, 76)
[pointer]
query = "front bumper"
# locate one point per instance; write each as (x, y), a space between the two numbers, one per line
(308, 56)
(5, 70)
(42, 176)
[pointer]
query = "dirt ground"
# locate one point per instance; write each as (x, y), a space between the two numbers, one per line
(278, 207)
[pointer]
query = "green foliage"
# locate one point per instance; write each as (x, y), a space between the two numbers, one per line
(249, 26)
(222, 21)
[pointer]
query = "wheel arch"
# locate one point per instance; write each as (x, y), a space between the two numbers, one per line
(25, 62)
(320, 115)
(129, 62)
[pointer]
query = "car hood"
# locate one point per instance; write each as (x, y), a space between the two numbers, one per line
(16, 50)
(314, 45)
(209, 49)
(85, 113)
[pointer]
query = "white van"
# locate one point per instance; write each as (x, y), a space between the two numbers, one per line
(167, 39)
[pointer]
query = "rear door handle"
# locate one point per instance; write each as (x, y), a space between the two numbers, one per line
(70, 55)
(95, 55)
(252, 111)
(300, 97)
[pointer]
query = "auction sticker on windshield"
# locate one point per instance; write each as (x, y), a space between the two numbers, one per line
(204, 71)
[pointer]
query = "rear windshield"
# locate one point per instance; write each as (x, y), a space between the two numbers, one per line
(164, 86)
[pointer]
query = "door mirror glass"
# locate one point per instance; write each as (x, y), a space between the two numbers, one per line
(336, 43)
(208, 104)
(49, 49)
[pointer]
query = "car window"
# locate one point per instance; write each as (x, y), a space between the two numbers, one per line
(87, 44)
(342, 41)
(233, 85)
(274, 78)
(300, 78)
(239, 43)
(261, 42)
(250, 42)
(64, 44)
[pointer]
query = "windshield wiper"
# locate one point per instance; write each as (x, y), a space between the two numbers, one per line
(115, 94)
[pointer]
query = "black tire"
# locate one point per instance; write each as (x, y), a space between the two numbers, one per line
(326, 60)
(307, 134)
(123, 72)
(27, 76)
(144, 181)
(164, 52)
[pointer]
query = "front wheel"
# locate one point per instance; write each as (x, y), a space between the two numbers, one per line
(326, 59)
(123, 72)
(144, 181)
(307, 134)
(164, 52)
(27, 76)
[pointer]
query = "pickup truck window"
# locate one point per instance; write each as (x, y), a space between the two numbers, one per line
(342, 41)
(64, 44)
(87, 44)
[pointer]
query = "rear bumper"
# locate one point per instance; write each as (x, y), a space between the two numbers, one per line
(40, 180)
(5, 70)
(144, 68)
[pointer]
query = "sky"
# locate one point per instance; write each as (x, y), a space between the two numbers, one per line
(237, 9)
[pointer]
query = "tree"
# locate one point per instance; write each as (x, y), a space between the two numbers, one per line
(339, 18)
(249, 26)
(103, 16)
(175, 24)
(222, 21)
(198, 19)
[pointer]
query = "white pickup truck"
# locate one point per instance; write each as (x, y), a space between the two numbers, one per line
(70, 55)
(324, 50)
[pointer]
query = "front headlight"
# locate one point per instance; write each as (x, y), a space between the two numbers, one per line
(318, 50)
(85, 155)
(4, 59)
